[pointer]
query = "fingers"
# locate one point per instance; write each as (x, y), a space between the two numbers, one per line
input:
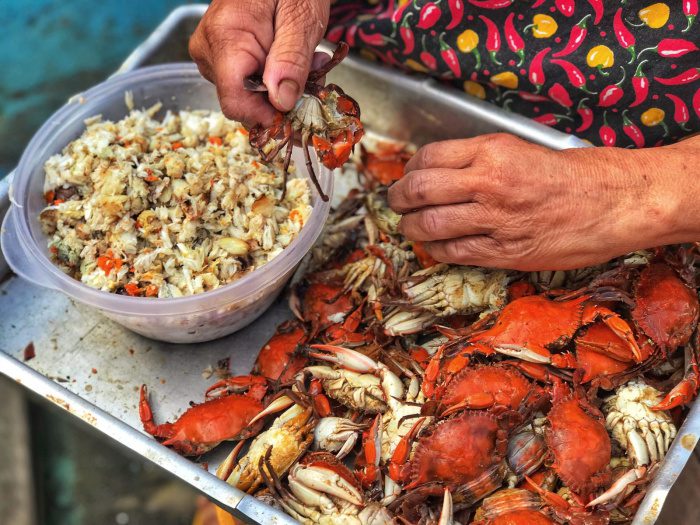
(453, 154)
(445, 222)
(231, 43)
(433, 187)
(474, 250)
(299, 27)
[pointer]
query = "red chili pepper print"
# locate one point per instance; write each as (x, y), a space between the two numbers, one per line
(350, 35)
(680, 111)
(536, 74)
(611, 95)
(491, 4)
(429, 15)
(672, 48)
(407, 36)
(493, 39)
(449, 56)
(456, 11)
(560, 95)
(630, 129)
(374, 39)
(398, 13)
(537, 4)
(550, 119)
(640, 85)
(427, 58)
(586, 115)
(576, 38)
(690, 10)
(335, 34)
(575, 76)
(565, 7)
(514, 40)
(624, 37)
(598, 10)
(696, 102)
(607, 134)
(688, 76)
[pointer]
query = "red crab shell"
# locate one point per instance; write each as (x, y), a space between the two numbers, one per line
(459, 451)
(579, 444)
(666, 309)
(324, 305)
(535, 322)
(279, 359)
(204, 426)
(600, 353)
(485, 386)
(512, 507)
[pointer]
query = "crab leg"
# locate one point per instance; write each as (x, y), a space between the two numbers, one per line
(403, 450)
(276, 405)
(619, 486)
(305, 146)
(371, 446)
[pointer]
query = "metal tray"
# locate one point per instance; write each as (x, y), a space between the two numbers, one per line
(92, 367)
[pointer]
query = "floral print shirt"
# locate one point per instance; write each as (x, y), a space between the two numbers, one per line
(614, 72)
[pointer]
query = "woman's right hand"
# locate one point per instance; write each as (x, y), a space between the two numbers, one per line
(239, 38)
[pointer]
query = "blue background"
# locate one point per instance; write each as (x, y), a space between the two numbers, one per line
(50, 50)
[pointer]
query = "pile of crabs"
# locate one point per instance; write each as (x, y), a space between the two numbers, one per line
(408, 391)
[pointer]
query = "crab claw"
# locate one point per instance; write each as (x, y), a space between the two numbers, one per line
(337, 434)
(324, 479)
(446, 514)
(276, 405)
(681, 394)
(348, 359)
(619, 486)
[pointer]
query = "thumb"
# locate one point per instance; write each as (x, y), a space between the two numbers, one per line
(300, 25)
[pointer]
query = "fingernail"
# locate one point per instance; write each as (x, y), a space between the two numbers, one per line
(287, 94)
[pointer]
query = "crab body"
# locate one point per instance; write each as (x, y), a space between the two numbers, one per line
(280, 359)
(204, 426)
(324, 117)
(579, 443)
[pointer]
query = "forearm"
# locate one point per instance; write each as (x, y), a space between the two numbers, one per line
(650, 195)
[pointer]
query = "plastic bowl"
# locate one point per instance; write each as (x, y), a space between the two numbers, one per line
(190, 319)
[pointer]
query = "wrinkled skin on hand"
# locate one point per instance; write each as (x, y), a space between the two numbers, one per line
(239, 38)
(498, 201)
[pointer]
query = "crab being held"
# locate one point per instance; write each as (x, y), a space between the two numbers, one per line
(324, 117)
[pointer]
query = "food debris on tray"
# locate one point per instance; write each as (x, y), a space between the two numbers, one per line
(408, 391)
(167, 207)
(29, 352)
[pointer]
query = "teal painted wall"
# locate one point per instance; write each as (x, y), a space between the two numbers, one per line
(50, 50)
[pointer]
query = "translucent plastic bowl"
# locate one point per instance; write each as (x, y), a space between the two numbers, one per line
(195, 318)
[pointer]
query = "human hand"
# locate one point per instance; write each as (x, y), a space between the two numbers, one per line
(239, 38)
(498, 201)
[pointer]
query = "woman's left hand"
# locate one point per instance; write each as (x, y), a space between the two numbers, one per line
(498, 201)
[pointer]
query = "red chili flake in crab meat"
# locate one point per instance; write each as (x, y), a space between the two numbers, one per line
(216, 140)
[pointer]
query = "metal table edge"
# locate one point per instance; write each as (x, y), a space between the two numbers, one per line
(233, 500)
(236, 502)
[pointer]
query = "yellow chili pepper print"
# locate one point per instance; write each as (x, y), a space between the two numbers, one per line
(601, 57)
(415, 66)
(467, 41)
(654, 117)
(474, 89)
(507, 79)
(543, 26)
(655, 15)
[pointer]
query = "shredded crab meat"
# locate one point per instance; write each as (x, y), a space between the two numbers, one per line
(167, 208)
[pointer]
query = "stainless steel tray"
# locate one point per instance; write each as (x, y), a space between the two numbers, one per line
(92, 367)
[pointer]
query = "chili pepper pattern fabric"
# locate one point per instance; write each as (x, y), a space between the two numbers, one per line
(614, 72)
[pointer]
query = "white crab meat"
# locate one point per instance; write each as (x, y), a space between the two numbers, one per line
(644, 433)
